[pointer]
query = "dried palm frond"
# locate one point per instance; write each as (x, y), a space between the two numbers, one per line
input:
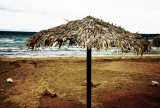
(156, 41)
(89, 32)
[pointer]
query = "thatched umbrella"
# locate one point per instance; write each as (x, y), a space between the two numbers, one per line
(156, 41)
(90, 33)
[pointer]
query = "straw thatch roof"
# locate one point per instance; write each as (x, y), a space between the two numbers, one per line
(156, 41)
(89, 32)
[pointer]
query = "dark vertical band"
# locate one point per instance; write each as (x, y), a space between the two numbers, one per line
(88, 78)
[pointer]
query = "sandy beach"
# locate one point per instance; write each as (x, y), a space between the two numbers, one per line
(119, 82)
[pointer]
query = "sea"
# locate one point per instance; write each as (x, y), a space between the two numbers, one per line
(12, 45)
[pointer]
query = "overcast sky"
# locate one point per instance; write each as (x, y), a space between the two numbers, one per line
(142, 16)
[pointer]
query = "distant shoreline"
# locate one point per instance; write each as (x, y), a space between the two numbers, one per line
(16, 32)
(144, 34)
(32, 32)
(20, 31)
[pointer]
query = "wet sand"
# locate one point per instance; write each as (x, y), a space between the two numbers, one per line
(120, 82)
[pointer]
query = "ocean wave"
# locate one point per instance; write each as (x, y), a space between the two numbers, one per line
(11, 41)
(6, 40)
(65, 51)
(155, 48)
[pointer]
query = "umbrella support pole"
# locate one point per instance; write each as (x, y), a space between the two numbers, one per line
(89, 78)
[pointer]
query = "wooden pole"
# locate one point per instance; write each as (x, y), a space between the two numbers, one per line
(89, 78)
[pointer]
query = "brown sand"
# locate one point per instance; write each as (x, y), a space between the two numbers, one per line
(120, 82)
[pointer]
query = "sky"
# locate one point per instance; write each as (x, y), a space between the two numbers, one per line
(142, 16)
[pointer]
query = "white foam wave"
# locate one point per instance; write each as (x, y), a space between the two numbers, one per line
(11, 41)
(65, 51)
(6, 40)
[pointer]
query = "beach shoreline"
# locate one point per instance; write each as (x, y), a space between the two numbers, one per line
(119, 81)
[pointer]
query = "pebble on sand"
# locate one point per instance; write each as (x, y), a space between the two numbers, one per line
(154, 83)
(47, 93)
(10, 80)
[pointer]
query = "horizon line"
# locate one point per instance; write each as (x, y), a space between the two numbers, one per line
(5, 30)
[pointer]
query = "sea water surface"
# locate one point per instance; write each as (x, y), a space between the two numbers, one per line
(12, 46)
